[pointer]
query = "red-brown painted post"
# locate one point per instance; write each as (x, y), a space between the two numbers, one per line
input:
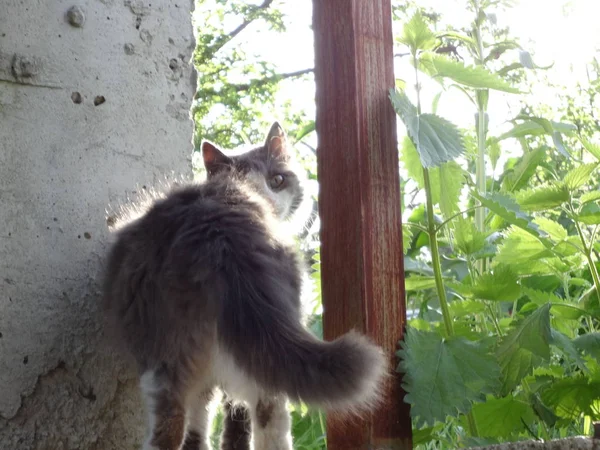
(359, 200)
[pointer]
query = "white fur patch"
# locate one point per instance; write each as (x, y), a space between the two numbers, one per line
(276, 435)
(149, 387)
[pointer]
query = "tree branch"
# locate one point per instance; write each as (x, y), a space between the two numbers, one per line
(277, 77)
(251, 17)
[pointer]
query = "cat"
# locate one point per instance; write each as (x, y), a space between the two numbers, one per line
(204, 292)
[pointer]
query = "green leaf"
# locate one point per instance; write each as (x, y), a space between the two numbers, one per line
(533, 127)
(467, 238)
(418, 283)
(543, 197)
(417, 35)
(407, 236)
(568, 348)
(593, 148)
(589, 214)
(506, 208)
(443, 377)
(519, 246)
(502, 417)
(451, 181)
(446, 181)
(436, 140)
(524, 348)
(571, 397)
(499, 284)
(542, 411)
(579, 176)
(523, 170)
(591, 196)
(477, 77)
(422, 436)
(464, 308)
(553, 229)
(590, 344)
(494, 153)
(305, 131)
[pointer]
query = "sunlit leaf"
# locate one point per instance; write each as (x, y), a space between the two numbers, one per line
(451, 181)
(418, 283)
(524, 348)
(407, 236)
(464, 308)
(506, 208)
(591, 196)
(437, 140)
(443, 376)
(553, 229)
(571, 397)
(542, 197)
(498, 284)
(590, 214)
(579, 176)
(467, 238)
(534, 128)
(417, 35)
(523, 170)
(521, 246)
(593, 148)
(478, 77)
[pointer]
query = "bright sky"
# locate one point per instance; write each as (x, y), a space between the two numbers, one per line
(563, 32)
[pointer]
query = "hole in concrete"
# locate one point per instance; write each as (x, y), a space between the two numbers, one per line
(111, 220)
(76, 97)
(78, 236)
(129, 49)
(26, 359)
(1, 335)
(87, 235)
(138, 22)
(98, 100)
(173, 64)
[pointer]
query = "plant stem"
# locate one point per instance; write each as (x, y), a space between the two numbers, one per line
(472, 424)
(435, 257)
(590, 260)
(481, 135)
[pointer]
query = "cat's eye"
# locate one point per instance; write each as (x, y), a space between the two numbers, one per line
(276, 181)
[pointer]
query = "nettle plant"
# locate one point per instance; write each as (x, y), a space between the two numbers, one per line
(504, 342)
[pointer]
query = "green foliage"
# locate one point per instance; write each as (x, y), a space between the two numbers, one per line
(437, 141)
(478, 77)
(524, 348)
(432, 364)
(519, 261)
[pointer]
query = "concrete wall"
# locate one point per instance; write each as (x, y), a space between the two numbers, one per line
(92, 102)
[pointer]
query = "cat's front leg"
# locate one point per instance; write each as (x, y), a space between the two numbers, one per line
(271, 424)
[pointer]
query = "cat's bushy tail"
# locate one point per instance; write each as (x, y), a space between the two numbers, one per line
(259, 327)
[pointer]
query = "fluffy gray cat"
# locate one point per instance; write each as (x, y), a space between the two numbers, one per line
(204, 291)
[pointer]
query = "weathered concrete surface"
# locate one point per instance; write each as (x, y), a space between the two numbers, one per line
(93, 100)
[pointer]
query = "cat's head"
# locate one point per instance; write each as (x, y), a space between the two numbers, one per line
(271, 170)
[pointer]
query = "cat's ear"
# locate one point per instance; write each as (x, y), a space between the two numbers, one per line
(277, 144)
(214, 159)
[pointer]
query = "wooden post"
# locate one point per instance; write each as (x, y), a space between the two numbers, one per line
(359, 201)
